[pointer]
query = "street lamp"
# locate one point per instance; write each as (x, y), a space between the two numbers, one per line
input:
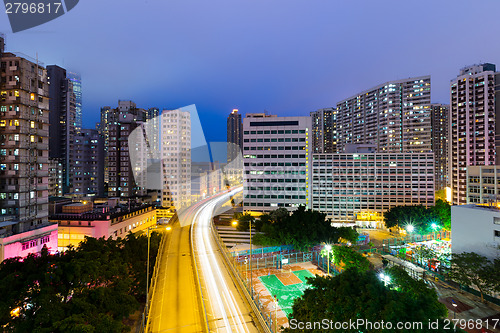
(234, 223)
(328, 248)
(385, 278)
(455, 305)
(251, 255)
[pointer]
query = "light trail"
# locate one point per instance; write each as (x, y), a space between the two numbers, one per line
(225, 308)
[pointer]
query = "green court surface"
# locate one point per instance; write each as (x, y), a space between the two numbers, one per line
(286, 294)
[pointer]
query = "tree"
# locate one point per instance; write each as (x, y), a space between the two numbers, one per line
(443, 210)
(355, 295)
(303, 229)
(349, 258)
(244, 221)
(472, 269)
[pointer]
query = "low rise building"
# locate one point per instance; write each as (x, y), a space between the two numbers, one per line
(100, 222)
(476, 229)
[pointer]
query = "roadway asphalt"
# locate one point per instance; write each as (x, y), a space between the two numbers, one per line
(176, 305)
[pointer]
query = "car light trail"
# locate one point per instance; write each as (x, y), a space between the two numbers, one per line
(221, 299)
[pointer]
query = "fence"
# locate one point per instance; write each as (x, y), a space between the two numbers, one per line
(270, 260)
(152, 286)
(416, 238)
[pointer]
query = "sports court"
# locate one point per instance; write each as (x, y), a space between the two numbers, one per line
(286, 287)
(287, 284)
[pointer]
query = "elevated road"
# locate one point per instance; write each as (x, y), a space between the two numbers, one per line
(177, 305)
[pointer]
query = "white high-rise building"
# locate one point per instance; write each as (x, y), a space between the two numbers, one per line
(176, 158)
(276, 157)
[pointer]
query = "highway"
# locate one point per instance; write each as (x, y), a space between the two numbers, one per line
(176, 305)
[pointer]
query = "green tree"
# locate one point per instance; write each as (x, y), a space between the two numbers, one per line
(442, 210)
(472, 269)
(244, 221)
(350, 258)
(356, 295)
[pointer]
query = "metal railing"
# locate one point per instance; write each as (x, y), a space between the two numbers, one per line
(265, 321)
(152, 286)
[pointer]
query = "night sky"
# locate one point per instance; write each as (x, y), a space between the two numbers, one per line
(284, 56)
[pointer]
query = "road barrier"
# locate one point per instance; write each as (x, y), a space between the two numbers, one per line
(264, 320)
(152, 286)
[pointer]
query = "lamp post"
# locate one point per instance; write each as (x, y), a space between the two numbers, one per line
(328, 247)
(455, 305)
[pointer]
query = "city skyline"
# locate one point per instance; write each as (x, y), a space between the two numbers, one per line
(290, 71)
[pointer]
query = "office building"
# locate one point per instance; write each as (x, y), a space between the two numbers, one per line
(440, 124)
(476, 229)
(176, 158)
(472, 125)
(76, 84)
(276, 158)
(62, 122)
(324, 131)
(88, 179)
(396, 116)
(234, 135)
(347, 185)
(24, 158)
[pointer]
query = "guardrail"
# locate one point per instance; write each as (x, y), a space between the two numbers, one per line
(197, 280)
(266, 324)
(152, 286)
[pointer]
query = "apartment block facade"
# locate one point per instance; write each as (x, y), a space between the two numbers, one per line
(234, 135)
(176, 158)
(324, 131)
(88, 179)
(440, 132)
(276, 161)
(24, 158)
(345, 185)
(472, 124)
(396, 116)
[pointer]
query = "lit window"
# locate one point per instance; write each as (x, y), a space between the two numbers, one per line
(32, 96)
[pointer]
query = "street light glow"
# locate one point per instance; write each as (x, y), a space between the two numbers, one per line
(234, 223)
(328, 247)
(410, 228)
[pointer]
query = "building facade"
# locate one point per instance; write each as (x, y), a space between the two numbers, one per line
(62, 122)
(483, 184)
(396, 116)
(176, 158)
(346, 185)
(234, 135)
(24, 158)
(55, 178)
(476, 229)
(440, 123)
(324, 131)
(472, 124)
(76, 84)
(88, 179)
(276, 162)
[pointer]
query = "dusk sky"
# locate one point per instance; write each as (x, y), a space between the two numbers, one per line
(284, 56)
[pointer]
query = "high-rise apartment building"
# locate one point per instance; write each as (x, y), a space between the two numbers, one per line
(55, 178)
(276, 157)
(24, 164)
(396, 116)
(62, 122)
(324, 131)
(483, 184)
(176, 158)
(472, 124)
(76, 83)
(88, 179)
(152, 128)
(439, 115)
(234, 135)
(118, 168)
